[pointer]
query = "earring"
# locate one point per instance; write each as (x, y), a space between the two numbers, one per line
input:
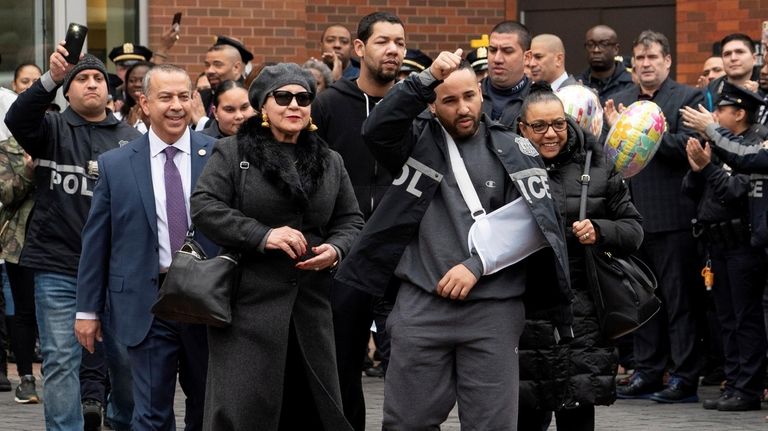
(311, 126)
(264, 120)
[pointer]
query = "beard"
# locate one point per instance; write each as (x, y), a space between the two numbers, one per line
(379, 74)
(384, 77)
(456, 133)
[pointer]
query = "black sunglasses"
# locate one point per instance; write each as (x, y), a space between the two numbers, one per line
(283, 98)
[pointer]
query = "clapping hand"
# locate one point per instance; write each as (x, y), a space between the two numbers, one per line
(697, 119)
(612, 112)
(698, 157)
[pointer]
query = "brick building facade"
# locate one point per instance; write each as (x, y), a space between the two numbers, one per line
(702, 22)
(278, 30)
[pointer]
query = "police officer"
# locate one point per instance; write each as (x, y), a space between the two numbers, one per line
(723, 228)
(414, 61)
(478, 59)
(126, 55)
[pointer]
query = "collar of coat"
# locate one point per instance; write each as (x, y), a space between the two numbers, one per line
(257, 145)
(74, 119)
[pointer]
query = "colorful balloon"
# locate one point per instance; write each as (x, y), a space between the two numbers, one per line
(634, 139)
(583, 105)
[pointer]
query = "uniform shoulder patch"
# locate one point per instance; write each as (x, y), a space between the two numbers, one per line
(526, 147)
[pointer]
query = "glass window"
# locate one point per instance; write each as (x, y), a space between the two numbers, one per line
(26, 35)
(111, 24)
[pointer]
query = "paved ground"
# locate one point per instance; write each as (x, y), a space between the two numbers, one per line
(623, 416)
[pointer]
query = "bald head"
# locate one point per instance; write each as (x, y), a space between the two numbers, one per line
(602, 31)
(549, 42)
(223, 63)
(547, 58)
(602, 45)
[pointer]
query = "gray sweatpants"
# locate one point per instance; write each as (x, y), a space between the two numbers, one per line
(445, 352)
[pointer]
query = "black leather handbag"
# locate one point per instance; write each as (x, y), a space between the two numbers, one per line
(197, 289)
(622, 286)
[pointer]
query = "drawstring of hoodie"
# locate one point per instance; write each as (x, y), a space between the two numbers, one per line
(375, 163)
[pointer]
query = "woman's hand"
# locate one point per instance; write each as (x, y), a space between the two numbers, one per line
(698, 157)
(585, 231)
(287, 239)
(325, 257)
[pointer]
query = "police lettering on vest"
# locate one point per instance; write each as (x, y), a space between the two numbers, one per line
(533, 183)
(71, 179)
(412, 172)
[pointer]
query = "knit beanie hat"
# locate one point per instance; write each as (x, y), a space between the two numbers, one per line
(85, 63)
(273, 77)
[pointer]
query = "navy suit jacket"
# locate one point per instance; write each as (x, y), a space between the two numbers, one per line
(119, 265)
(657, 190)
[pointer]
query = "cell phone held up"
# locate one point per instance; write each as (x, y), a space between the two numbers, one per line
(176, 23)
(74, 42)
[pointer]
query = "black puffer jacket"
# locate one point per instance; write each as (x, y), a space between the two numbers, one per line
(555, 377)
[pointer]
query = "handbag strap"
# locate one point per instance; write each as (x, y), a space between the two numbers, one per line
(459, 169)
(244, 166)
(585, 186)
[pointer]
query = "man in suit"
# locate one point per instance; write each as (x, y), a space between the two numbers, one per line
(547, 61)
(138, 219)
(668, 247)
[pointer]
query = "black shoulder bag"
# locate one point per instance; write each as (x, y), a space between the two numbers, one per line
(197, 289)
(622, 287)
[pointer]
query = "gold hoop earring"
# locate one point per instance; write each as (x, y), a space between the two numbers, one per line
(264, 120)
(311, 126)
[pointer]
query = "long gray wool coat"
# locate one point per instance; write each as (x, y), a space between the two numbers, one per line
(305, 187)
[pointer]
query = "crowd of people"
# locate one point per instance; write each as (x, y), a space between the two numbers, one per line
(437, 201)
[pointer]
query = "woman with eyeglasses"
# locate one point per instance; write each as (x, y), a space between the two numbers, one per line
(278, 195)
(572, 379)
(231, 110)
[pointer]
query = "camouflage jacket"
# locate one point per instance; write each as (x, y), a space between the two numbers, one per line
(16, 195)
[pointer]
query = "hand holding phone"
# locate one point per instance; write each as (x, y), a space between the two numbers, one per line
(74, 42)
(176, 23)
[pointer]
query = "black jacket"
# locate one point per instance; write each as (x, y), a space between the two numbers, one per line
(512, 111)
(213, 130)
(415, 147)
(656, 189)
(620, 80)
(720, 193)
(555, 377)
(65, 146)
(338, 112)
(752, 159)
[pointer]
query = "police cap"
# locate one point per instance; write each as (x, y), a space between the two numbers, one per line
(415, 61)
(244, 53)
(733, 95)
(478, 58)
(128, 52)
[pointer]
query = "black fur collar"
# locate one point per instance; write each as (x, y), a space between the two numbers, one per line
(258, 146)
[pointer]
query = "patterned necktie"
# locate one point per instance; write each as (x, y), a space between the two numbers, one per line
(174, 201)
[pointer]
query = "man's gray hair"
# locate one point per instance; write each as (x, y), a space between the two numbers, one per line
(162, 68)
(649, 37)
